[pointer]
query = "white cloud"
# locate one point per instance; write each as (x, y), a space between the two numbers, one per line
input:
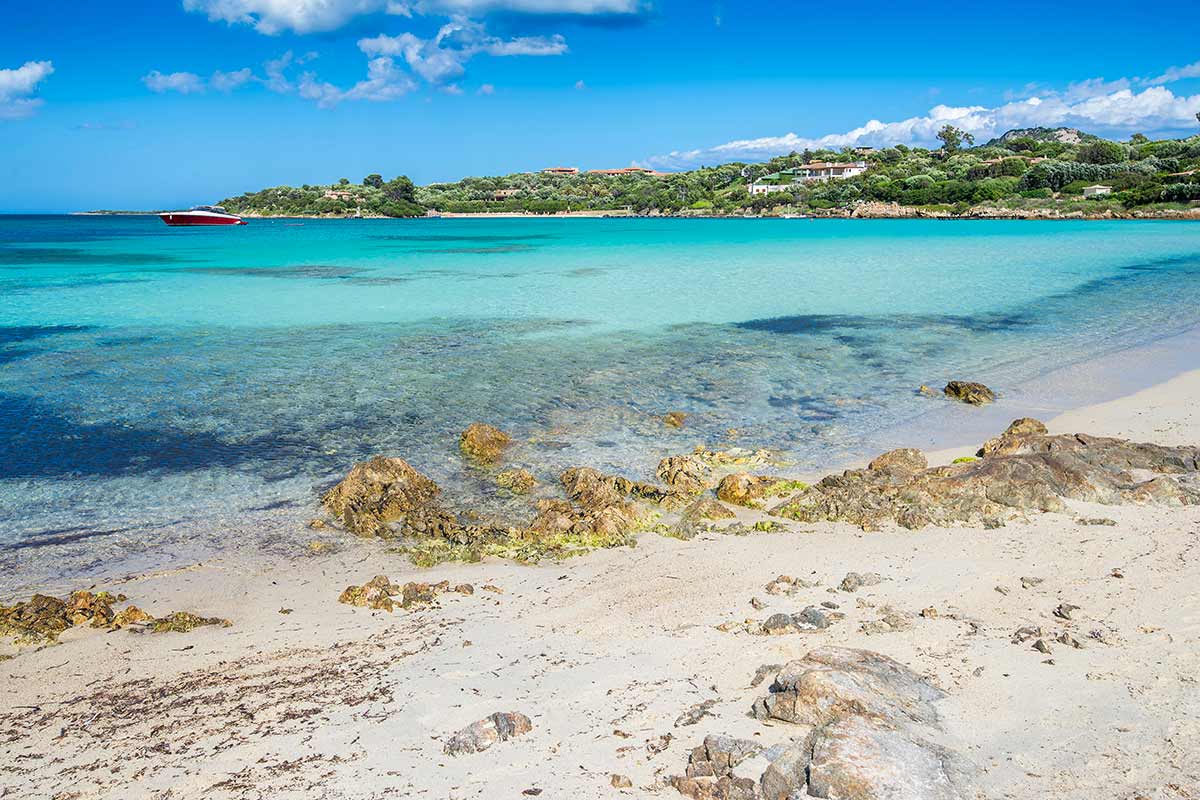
(444, 57)
(487, 88)
(1173, 74)
(182, 82)
(1112, 110)
(228, 81)
(17, 87)
(383, 82)
(272, 17)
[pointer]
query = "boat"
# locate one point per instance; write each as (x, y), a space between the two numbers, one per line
(201, 215)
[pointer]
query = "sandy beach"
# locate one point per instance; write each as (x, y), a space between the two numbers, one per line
(307, 697)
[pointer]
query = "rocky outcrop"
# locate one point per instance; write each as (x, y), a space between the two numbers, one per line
(1013, 438)
(744, 489)
(1024, 471)
(975, 394)
(380, 593)
(483, 443)
(865, 728)
(695, 518)
(479, 736)
(690, 474)
(378, 492)
(517, 481)
(42, 618)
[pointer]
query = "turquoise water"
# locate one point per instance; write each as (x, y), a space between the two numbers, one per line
(169, 392)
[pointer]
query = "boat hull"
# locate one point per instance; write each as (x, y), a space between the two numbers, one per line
(178, 219)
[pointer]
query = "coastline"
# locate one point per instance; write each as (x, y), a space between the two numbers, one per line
(631, 637)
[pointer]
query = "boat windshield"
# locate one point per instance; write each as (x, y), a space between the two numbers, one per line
(215, 209)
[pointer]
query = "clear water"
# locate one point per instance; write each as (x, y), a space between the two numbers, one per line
(180, 391)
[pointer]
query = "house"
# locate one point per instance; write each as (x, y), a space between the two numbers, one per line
(561, 171)
(333, 194)
(1096, 191)
(504, 194)
(807, 173)
(863, 151)
(626, 171)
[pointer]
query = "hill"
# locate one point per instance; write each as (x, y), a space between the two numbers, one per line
(1030, 171)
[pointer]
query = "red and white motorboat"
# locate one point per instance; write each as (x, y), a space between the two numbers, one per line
(201, 215)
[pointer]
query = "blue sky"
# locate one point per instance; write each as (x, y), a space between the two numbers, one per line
(159, 103)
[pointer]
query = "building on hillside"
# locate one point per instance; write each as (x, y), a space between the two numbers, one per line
(335, 194)
(626, 171)
(863, 151)
(504, 194)
(807, 173)
(561, 171)
(1099, 190)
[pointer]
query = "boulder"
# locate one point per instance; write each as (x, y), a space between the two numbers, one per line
(1011, 440)
(905, 461)
(810, 619)
(787, 774)
(858, 757)
(479, 736)
(975, 394)
(483, 443)
(856, 580)
(744, 489)
(517, 481)
(694, 517)
(378, 492)
(833, 681)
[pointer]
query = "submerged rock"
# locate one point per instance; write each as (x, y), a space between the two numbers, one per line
(378, 492)
(517, 481)
(1030, 471)
(674, 419)
(483, 443)
(975, 394)
(479, 736)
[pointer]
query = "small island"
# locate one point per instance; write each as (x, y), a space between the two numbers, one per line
(1030, 173)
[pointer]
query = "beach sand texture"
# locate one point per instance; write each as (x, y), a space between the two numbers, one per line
(605, 652)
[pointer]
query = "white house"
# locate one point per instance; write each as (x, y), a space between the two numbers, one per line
(1096, 191)
(807, 173)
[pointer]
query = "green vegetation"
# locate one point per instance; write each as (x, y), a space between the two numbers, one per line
(1032, 171)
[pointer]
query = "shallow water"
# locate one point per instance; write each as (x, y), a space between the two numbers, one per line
(169, 390)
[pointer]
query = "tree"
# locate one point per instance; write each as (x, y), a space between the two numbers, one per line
(374, 180)
(1101, 152)
(952, 138)
(343, 181)
(400, 189)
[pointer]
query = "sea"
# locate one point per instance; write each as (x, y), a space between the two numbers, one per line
(173, 394)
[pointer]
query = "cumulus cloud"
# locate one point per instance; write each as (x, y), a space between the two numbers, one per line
(18, 86)
(182, 82)
(1095, 106)
(272, 17)
(228, 81)
(384, 82)
(1173, 74)
(444, 57)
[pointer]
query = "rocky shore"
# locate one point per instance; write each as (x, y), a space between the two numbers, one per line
(1009, 623)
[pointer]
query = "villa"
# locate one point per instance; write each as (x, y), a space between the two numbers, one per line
(561, 171)
(1098, 190)
(334, 194)
(807, 173)
(504, 194)
(625, 171)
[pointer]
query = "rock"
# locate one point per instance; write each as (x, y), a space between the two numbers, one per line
(380, 593)
(131, 615)
(1041, 646)
(709, 774)
(1096, 521)
(975, 394)
(906, 461)
(1012, 437)
(479, 736)
(378, 492)
(688, 474)
(857, 757)
(184, 621)
(483, 443)
(674, 419)
(856, 580)
(762, 672)
(832, 681)
(620, 781)
(1065, 610)
(890, 621)
(756, 604)
(517, 481)
(695, 714)
(1029, 583)
(316, 524)
(725, 788)
(42, 618)
(810, 619)
(1037, 472)
(787, 774)
(694, 517)
(928, 391)
(744, 489)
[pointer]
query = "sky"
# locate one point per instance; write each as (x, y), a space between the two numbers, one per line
(150, 104)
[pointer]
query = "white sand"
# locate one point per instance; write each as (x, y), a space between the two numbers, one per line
(331, 701)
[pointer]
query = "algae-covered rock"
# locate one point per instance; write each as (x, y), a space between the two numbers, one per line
(1028, 472)
(744, 489)
(975, 394)
(674, 419)
(184, 621)
(132, 615)
(905, 461)
(483, 443)
(378, 492)
(690, 474)
(42, 618)
(517, 481)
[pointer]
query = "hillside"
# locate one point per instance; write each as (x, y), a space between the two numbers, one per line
(1035, 171)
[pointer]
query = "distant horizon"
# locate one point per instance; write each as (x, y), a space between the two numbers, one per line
(191, 101)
